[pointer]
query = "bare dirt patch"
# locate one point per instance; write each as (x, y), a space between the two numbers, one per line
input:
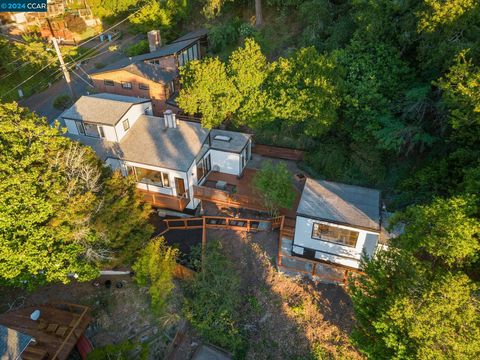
(286, 318)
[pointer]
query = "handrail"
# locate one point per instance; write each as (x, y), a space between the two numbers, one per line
(230, 222)
(74, 327)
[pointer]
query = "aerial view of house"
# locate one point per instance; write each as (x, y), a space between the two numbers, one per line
(196, 180)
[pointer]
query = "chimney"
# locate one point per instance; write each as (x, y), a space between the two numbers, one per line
(154, 40)
(169, 119)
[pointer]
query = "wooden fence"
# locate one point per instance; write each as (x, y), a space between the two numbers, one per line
(278, 152)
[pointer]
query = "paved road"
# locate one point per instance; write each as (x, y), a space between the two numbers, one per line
(41, 103)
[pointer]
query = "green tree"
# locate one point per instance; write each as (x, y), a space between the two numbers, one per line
(53, 203)
(207, 89)
(415, 300)
(274, 183)
(304, 89)
(154, 268)
(212, 302)
(248, 68)
(156, 14)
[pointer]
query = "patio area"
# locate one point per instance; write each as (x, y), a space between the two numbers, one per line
(230, 191)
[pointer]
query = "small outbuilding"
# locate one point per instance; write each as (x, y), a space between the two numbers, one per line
(337, 223)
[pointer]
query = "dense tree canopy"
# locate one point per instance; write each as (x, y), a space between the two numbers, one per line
(61, 212)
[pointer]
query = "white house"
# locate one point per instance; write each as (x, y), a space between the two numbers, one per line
(167, 156)
(337, 223)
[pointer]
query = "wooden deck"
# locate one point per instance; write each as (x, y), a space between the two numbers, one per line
(165, 201)
(56, 332)
(278, 152)
(243, 196)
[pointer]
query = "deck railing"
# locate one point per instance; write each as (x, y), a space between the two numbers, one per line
(218, 222)
(178, 203)
(228, 199)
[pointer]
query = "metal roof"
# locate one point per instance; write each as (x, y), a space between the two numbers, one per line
(12, 343)
(101, 108)
(340, 203)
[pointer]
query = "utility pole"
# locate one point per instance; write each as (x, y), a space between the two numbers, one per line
(64, 68)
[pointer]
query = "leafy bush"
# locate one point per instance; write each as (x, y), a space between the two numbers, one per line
(138, 48)
(154, 268)
(62, 102)
(212, 302)
(274, 183)
(123, 351)
(224, 35)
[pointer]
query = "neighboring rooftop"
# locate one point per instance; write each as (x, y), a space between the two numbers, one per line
(173, 48)
(228, 140)
(149, 142)
(102, 108)
(152, 72)
(12, 343)
(341, 203)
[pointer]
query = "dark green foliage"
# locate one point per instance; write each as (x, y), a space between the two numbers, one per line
(212, 302)
(138, 48)
(62, 102)
(223, 36)
(123, 351)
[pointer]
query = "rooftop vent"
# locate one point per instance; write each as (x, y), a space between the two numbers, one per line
(222, 138)
(170, 119)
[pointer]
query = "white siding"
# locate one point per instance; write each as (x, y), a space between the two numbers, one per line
(132, 116)
(346, 255)
(228, 163)
(172, 174)
(109, 132)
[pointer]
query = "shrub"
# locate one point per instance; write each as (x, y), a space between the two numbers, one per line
(137, 49)
(274, 184)
(154, 268)
(62, 102)
(224, 35)
(123, 351)
(212, 302)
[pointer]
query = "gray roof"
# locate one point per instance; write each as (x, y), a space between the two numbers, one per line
(236, 144)
(149, 142)
(152, 72)
(167, 50)
(196, 34)
(101, 108)
(340, 203)
(12, 343)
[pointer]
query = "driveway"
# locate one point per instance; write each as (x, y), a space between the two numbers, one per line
(41, 103)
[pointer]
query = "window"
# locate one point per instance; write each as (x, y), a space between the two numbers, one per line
(126, 85)
(108, 82)
(143, 86)
(334, 234)
(91, 129)
(80, 127)
(101, 132)
(157, 178)
(203, 167)
(126, 124)
(171, 84)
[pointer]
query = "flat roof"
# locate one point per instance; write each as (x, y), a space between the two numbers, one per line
(149, 142)
(230, 141)
(340, 203)
(101, 108)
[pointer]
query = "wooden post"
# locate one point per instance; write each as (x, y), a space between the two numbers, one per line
(204, 242)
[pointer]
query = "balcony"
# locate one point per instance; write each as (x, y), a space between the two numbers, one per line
(164, 201)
